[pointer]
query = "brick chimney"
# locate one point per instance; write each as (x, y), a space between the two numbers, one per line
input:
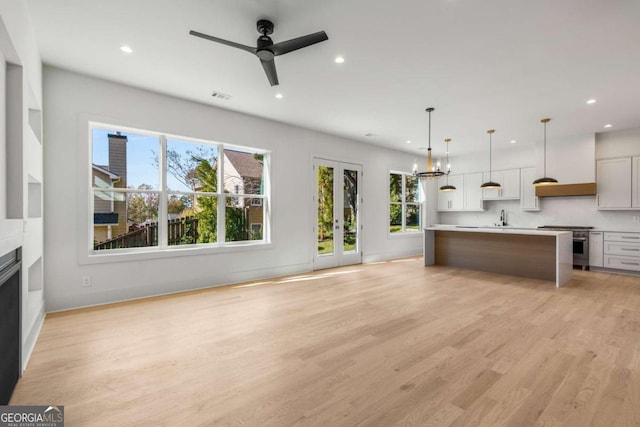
(118, 158)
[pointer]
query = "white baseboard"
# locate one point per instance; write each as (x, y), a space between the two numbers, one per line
(120, 295)
(29, 342)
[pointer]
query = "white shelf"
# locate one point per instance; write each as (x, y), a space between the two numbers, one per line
(35, 275)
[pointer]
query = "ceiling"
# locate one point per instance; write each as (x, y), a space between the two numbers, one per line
(501, 64)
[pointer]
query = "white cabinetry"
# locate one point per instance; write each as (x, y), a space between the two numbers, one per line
(467, 195)
(473, 192)
(613, 179)
(622, 251)
(451, 200)
(528, 199)
(510, 185)
(635, 184)
(596, 249)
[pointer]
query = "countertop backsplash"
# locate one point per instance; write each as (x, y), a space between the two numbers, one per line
(575, 211)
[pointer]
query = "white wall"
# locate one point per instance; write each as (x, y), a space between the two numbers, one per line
(569, 160)
(618, 143)
(3, 138)
(72, 98)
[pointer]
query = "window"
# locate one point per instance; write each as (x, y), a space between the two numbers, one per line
(405, 208)
(158, 191)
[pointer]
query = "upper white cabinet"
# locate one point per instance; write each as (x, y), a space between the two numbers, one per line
(451, 200)
(509, 181)
(613, 179)
(528, 199)
(473, 192)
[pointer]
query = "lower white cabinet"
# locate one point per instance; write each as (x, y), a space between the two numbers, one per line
(621, 251)
(596, 254)
(528, 199)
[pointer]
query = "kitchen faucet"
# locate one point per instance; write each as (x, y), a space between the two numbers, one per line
(503, 218)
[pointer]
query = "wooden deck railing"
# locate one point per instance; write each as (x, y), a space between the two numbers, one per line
(182, 231)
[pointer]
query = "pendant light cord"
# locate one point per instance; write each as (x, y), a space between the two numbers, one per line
(448, 169)
(429, 129)
(490, 170)
(545, 150)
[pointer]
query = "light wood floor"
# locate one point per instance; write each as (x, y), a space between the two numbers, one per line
(383, 344)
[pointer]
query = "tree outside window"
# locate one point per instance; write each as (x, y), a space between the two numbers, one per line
(405, 208)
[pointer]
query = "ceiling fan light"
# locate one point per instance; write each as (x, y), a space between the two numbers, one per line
(489, 185)
(545, 181)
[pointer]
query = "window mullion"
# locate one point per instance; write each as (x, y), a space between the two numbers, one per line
(403, 199)
(163, 238)
(221, 199)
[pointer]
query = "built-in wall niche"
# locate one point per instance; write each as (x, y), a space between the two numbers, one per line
(35, 198)
(35, 122)
(35, 276)
(14, 116)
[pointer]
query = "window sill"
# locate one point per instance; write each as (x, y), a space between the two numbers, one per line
(141, 254)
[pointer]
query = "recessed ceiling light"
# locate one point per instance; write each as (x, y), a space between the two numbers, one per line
(513, 141)
(408, 142)
(279, 96)
(339, 60)
(608, 125)
(591, 101)
(126, 49)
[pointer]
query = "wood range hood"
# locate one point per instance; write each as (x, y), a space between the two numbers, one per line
(564, 190)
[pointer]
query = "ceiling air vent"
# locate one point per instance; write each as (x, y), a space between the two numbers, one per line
(220, 95)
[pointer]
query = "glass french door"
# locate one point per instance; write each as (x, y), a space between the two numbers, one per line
(337, 206)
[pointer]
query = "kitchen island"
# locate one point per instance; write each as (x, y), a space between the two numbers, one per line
(546, 255)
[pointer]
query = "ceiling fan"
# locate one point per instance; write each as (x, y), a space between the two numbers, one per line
(267, 50)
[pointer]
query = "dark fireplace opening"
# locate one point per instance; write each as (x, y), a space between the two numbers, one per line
(9, 324)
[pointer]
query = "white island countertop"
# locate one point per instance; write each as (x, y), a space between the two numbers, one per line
(505, 230)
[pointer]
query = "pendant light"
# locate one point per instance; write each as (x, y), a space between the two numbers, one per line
(490, 184)
(545, 180)
(432, 171)
(448, 187)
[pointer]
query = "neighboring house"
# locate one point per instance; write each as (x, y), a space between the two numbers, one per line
(104, 218)
(110, 209)
(243, 175)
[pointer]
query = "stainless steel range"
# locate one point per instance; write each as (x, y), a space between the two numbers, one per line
(580, 242)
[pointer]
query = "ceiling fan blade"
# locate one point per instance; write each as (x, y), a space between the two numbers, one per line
(298, 43)
(223, 41)
(270, 70)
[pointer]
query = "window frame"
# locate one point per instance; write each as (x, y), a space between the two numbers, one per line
(403, 203)
(163, 249)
